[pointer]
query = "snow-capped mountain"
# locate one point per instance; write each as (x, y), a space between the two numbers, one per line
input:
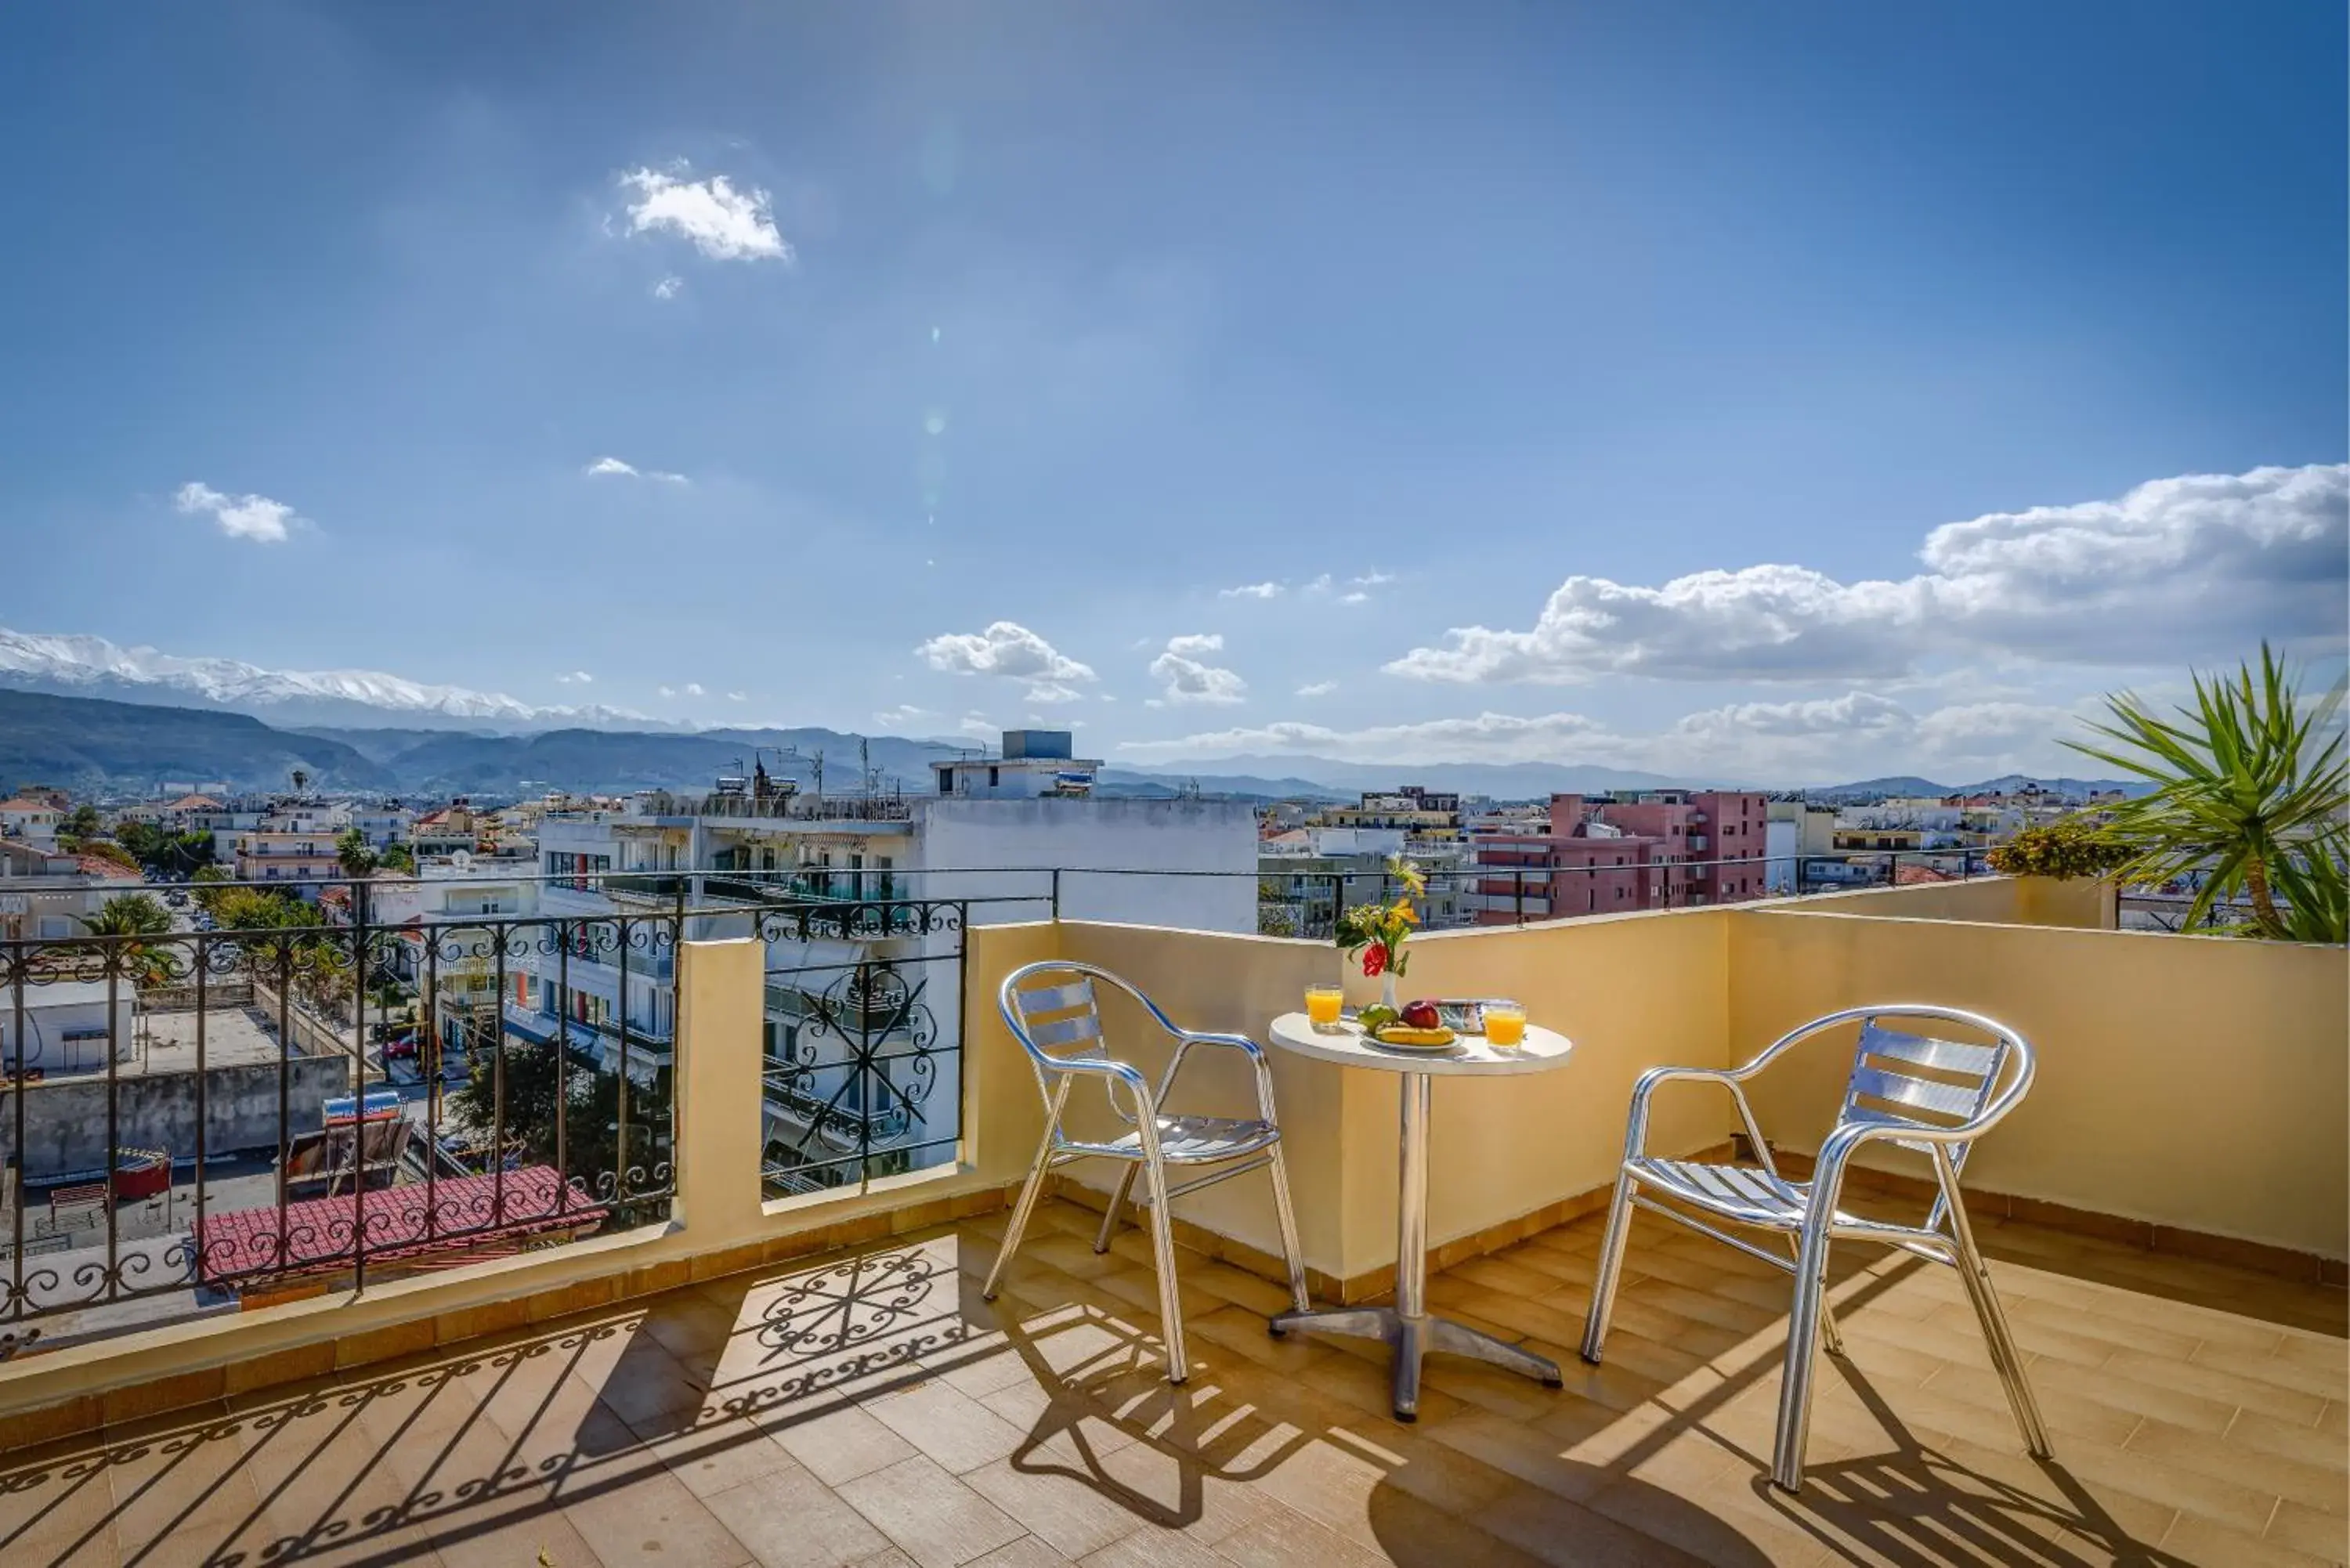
(78, 666)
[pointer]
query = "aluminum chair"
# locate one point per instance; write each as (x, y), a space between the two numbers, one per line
(1933, 1096)
(1066, 1017)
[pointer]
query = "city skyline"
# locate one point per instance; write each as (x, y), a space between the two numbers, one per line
(1787, 397)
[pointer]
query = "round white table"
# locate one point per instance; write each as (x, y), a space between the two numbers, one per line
(1407, 1327)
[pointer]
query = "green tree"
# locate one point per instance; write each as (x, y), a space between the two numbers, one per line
(129, 915)
(81, 821)
(134, 915)
(2250, 792)
(357, 857)
(204, 884)
(177, 853)
(536, 1076)
(397, 857)
(2069, 847)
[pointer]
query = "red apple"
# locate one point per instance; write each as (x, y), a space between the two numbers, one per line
(1422, 1014)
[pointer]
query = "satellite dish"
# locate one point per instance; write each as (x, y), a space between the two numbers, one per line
(462, 860)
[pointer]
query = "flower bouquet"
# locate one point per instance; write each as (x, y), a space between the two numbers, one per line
(1379, 932)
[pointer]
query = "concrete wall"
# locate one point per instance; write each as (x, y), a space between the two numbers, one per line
(2196, 1082)
(65, 1119)
(1176, 836)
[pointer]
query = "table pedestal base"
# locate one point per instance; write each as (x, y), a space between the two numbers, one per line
(1410, 1338)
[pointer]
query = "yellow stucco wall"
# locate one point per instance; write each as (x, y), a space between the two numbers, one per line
(2004, 900)
(1631, 990)
(2196, 1082)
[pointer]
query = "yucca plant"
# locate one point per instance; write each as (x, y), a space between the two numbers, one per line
(2251, 790)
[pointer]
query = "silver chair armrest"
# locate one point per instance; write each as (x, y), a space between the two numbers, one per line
(1187, 1038)
(1125, 1073)
(1636, 1128)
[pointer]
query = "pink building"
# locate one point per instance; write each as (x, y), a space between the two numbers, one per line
(1665, 849)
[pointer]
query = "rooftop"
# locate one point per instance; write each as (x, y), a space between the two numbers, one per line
(866, 1407)
(770, 1347)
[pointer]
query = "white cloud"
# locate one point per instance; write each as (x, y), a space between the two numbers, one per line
(1836, 739)
(576, 677)
(255, 517)
(691, 689)
(668, 287)
(614, 468)
(903, 713)
(1372, 580)
(1321, 585)
(980, 725)
(738, 696)
(2201, 566)
(1191, 679)
(1354, 597)
(1488, 737)
(1009, 649)
(724, 223)
(1251, 591)
(1317, 689)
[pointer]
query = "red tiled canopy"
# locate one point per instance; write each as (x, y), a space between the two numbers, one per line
(483, 1210)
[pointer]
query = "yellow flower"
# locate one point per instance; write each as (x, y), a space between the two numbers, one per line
(1403, 912)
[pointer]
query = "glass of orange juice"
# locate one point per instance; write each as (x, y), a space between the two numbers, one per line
(1321, 1006)
(1505, 1024)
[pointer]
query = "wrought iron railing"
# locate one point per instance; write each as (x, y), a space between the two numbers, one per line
(863, 1070)
(311, 1100)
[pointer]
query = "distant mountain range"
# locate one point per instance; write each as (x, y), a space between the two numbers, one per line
(361, 729)
(89, 744)
(79, 743)
(71, 665)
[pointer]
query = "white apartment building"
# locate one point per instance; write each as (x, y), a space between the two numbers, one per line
(46, 893)
(307, 860)
(850, 1013)
(29, 820)
(1927, 812)
(383, 823)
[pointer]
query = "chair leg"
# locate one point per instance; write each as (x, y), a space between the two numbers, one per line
(1611, 1268)
(1802, 1359)
(1020, 1212)
(1117, 1202)
(1290, 1251)
(1170, 1300)
(2005, 1358)
(1831, 1337)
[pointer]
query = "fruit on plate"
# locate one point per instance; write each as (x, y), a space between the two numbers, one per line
(1406, 1034)
(1375, 1018)
(1422, 1014)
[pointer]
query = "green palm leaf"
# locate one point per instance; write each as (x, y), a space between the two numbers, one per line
(2250, 789)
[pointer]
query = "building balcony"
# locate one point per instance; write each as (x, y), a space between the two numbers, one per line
(816, 1378)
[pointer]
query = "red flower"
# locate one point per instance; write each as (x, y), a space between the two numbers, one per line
(1375, 958)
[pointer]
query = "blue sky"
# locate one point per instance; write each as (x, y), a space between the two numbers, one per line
(1068, 320)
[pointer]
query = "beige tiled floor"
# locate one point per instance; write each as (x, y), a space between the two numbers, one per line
(870, 1409)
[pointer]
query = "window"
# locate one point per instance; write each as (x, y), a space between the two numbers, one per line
(994, 777)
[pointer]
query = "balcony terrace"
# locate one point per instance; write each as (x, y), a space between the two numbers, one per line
(815, 1379)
